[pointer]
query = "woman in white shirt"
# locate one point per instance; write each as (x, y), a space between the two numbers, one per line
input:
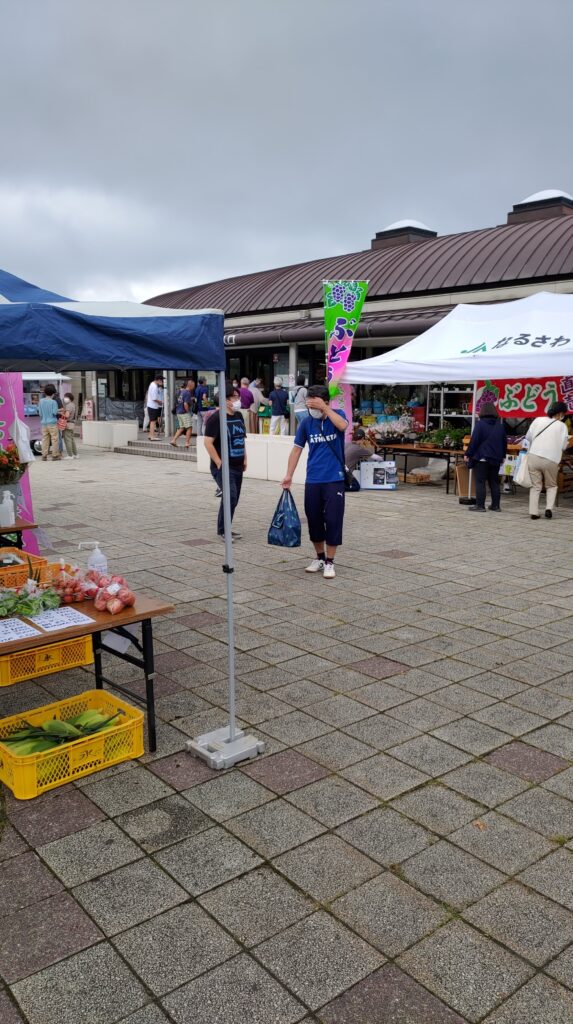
(548, 439)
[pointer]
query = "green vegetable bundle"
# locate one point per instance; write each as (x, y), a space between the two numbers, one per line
(34, 739)
(23, 603)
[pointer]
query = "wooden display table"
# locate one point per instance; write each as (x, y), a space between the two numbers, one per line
(18, 528)
(144, 610)
(422, 452)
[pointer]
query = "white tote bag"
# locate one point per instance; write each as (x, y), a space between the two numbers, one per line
(521, 476)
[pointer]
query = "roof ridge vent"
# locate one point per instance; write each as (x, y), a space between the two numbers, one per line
(402, 232)
(544, 205)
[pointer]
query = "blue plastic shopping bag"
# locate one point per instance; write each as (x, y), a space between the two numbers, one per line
(285, 528)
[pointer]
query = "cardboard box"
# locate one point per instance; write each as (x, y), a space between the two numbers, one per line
(378, 475)
(462, 481)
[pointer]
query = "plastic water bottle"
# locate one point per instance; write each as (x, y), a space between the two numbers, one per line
(7, 510)
(96, 559)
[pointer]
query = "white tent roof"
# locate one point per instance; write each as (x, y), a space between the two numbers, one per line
(531, 337)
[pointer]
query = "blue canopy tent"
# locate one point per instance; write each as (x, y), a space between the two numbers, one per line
(40, 330)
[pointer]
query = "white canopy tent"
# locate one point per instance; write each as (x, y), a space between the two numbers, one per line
(531, 337)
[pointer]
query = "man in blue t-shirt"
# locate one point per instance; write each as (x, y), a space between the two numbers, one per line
(279, 402)
(323, 431)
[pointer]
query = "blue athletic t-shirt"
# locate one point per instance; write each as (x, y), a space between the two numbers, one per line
(325, 450)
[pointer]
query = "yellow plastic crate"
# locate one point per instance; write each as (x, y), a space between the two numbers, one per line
(27, 777)
(42, 661)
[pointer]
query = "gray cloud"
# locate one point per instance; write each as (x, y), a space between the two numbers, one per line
(152, 145)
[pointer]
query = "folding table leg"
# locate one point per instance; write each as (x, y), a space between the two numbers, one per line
(96, 641)
(149, 670)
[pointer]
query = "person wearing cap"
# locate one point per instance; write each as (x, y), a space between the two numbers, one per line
(357, 450)
(323, 431)
(279, 403)
(485, 453)
(155, 404)
(548, 438)
(201, 396)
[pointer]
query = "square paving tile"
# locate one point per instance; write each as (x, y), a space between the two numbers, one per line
(532, 926)
(342, 679)
(381, 695)
(94, 985)
(542, 702)
(163, 823)
(468, 971)
(455, 671)
(385, 835)
(555, 738)
(388, 996)
(332, 801)
(510, 719)
(540, 1000)
(451, 875)
(423, 714)
(461, 698)
(128, 895)
(543, 811)
(326, 867)
(389, 914)
(562, 967)
(552, 877)
(527, 761)
(384, 777)
(472, 736)
(256, 906)
(8, 1011)
(228, 795)
(301, 693)
(55, 814)
(495, 685)
(561, 784)
(318, 958)
(25, 880)
(91, 852)
(114, 796)
(484, 782)
(207, 860)
(275, 828)
(379, 667)
(340, 710)
(419, 682)
(151, 1014)
(43, 933)
(237, 991)
(382, 731)
(181, 770)
(285, 771)
(295, 728)
(11, 844)
(501, 842)
(336, 750)
(175, 947)
(429, 755)
(437, 808)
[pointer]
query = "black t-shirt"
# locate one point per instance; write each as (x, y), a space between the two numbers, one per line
(236, 434)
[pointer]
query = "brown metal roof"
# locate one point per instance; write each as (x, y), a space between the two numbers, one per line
(529, 252)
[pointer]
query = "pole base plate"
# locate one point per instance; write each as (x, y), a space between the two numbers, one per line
(218, 751)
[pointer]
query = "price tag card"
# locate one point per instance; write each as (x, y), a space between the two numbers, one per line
(15, 629)
(60, 618)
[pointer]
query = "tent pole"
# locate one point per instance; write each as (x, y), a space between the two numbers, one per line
(225, 747)
(474, 401)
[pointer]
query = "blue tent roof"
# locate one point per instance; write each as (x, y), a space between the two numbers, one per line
(42, 330)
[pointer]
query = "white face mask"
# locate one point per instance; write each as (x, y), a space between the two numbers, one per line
(316, 414)
(236, 406)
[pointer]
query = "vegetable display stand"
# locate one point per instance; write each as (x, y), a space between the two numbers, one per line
(42, 661)
(29, 776)
(17, 575)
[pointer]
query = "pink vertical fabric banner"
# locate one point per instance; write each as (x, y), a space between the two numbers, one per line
(12, 393)
(343, 302)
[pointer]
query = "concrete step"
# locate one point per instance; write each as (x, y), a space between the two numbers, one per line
(158, 450)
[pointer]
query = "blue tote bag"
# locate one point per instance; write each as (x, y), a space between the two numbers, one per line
(285, 529)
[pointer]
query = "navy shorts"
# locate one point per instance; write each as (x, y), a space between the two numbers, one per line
(324, 510)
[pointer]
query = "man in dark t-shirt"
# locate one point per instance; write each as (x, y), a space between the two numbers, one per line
(236, 438)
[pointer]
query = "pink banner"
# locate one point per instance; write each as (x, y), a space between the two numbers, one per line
(11, 392)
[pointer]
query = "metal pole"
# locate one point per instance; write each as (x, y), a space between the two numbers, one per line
(168, 398)
(228, 567)
(474, 400)
(292, 372)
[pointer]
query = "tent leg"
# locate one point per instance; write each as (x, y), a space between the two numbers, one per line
(225, 747)
(469, 500)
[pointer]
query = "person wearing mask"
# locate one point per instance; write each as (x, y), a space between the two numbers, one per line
(247, 398)
(485, 453)
(68, 436)
(48, 409)
(201, 398)
(323, 431)
(236, 439)
(548, 439)
(256, 388)
(155, 404)
(299, 399)
(184, 412)
(279, 402)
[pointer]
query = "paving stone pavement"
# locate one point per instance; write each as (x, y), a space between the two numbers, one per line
(402, 853)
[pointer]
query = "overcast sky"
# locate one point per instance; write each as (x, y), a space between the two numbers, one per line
(149, 145)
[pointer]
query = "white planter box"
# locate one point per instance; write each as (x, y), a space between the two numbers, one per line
(267, 458)
(109, 433)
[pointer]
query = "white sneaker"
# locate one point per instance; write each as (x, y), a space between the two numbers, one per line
(329, 572)
(315, 566)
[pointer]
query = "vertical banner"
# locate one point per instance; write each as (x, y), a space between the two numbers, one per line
(12, 406)
(343, 302)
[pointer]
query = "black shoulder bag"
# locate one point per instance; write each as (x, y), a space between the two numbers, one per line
(350, 481)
